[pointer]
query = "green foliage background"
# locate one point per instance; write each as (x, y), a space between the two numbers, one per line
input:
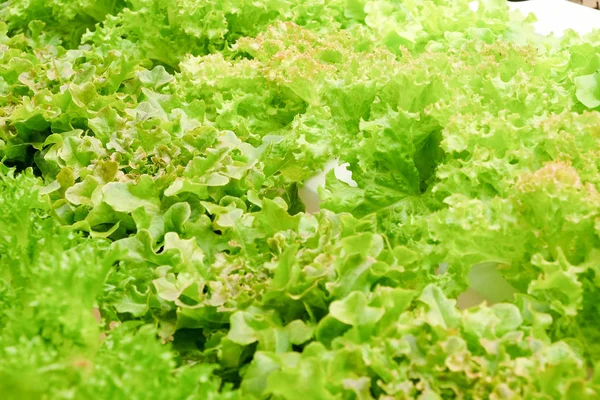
(154, 244)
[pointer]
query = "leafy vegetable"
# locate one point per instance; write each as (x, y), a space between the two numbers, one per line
(154, 234)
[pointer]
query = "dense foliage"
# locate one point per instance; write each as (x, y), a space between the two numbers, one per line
(154, 243)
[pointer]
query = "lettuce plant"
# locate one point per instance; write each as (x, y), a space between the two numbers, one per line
(155, 241)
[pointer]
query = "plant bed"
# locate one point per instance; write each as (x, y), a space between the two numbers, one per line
(158, 238)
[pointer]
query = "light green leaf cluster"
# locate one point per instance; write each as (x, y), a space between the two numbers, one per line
(154, 240)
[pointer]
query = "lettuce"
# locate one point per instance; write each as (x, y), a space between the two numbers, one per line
(157, 241)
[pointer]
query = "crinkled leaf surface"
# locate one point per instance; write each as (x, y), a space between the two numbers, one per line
(155, 241)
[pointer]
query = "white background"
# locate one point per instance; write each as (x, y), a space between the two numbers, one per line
(556, 16)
